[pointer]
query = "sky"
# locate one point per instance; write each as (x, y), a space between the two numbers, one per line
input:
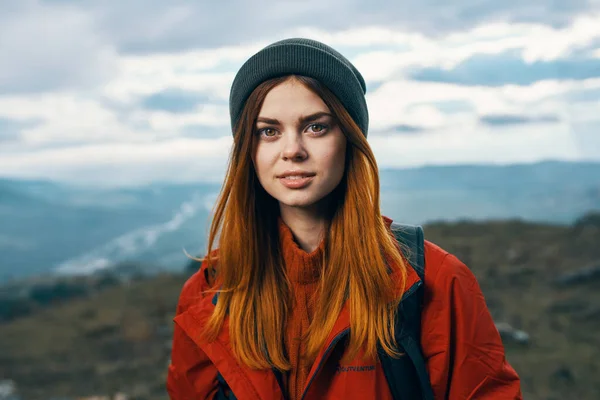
(133, 91)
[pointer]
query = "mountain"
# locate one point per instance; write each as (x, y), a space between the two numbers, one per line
(49, 226)
(557, 192)
(46, 226)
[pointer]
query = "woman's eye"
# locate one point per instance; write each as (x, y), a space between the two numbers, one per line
(314, 128)
(319, 128)
(265, 131)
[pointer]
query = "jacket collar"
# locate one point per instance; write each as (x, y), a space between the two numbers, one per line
(246, 383)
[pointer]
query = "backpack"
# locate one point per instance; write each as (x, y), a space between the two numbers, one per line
(407, 376)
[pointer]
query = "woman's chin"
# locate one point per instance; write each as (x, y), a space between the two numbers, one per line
(295, 201)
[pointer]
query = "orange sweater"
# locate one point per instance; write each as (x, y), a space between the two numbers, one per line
(303, 270)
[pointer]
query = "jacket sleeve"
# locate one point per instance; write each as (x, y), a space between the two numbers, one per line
(461, 343)
(191, 375)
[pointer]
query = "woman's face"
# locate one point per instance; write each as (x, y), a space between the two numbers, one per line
(300, 151)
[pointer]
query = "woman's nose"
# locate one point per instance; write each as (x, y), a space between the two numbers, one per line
(293, 147)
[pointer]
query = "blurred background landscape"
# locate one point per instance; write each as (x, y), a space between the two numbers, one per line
(90, 277)
(114, 136)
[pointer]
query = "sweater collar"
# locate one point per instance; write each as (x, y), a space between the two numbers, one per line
(301, 267)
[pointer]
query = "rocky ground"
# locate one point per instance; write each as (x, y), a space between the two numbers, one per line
(541, 283)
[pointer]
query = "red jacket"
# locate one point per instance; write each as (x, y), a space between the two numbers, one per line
(462, 347)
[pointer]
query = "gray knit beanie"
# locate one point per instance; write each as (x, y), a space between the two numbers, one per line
(302, 57)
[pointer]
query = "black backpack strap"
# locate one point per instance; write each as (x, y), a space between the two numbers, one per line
(412, 241)
(224, 393)
(407, 377)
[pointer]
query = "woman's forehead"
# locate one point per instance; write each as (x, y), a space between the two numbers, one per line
(291, 101)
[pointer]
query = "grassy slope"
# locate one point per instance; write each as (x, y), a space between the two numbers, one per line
(119, 339)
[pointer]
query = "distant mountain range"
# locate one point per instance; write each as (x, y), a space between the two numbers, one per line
(46, 226)
(50, 226)
(556, 192)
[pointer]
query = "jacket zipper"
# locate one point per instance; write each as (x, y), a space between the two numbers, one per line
(411, 290)
(340, 335)
(325, 355)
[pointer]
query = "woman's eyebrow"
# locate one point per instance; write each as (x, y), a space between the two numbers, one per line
(301, 120)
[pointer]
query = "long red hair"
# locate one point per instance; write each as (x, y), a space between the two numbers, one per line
(254, 290)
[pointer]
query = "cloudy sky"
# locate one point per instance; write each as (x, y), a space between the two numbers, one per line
(130, 91)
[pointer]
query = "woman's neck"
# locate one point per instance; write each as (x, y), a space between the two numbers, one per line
(307, 226)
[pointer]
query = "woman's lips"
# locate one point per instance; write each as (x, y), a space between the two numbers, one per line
(296, 182)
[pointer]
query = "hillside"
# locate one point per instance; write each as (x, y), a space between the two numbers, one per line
(101, 226)
(156, 222)
(540, 278)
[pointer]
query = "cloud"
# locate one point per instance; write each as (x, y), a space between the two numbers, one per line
(437, 17)
(67, 118)
(10, 130)
(510, 68)
(98, 42)
(400, 129)
(506, 119)
(151, 26)
(170, 160)
(425, 104)
(453, 106)
(138, 90)
(585, 95)
(174, 101)
(406, 129)
(382, 54)
(196, 160)
(585, 134)
(204, 72)
(477, 144)
(209, 115)
(204, 131)
(44, 48)
(146, 26)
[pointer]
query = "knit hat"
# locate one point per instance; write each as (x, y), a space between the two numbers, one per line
(302, 57)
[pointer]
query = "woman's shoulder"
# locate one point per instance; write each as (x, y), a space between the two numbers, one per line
(198, 283)
(443, 267)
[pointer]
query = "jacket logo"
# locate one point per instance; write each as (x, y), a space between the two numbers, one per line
(355, 368)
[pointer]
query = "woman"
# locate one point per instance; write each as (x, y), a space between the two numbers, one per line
(299, 300)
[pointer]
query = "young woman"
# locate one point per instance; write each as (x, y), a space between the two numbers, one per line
(300, 298)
